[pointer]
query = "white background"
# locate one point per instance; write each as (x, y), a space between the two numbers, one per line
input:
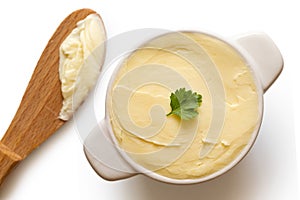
(59, 170)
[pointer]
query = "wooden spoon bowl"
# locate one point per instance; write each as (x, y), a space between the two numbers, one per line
(37, 116)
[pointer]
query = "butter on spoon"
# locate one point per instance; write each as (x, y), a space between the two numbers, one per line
(81, 55)
(37, 116)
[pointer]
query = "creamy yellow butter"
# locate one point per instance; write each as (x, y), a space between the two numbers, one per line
(81, 57)
(155, 150)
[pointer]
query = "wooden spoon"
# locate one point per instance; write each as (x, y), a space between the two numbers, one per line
(37, 116)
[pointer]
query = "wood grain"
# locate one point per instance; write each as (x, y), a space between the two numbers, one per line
(37, 116)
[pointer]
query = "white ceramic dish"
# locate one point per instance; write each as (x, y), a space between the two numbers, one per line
(111, 163)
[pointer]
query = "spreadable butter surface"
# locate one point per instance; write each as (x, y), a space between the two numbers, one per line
(149, 149)
(81, 57)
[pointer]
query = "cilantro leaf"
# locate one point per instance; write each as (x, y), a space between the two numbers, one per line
(184, 103)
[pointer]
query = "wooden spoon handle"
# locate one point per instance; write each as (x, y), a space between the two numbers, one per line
(37, 116)
(8, 160)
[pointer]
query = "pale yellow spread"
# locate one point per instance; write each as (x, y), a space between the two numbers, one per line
(81, 57)
(241, 112)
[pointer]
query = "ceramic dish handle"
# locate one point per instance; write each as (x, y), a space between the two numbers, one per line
(264, 53)
(103, 155)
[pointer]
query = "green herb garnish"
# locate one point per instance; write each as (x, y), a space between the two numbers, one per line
(184, 103)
